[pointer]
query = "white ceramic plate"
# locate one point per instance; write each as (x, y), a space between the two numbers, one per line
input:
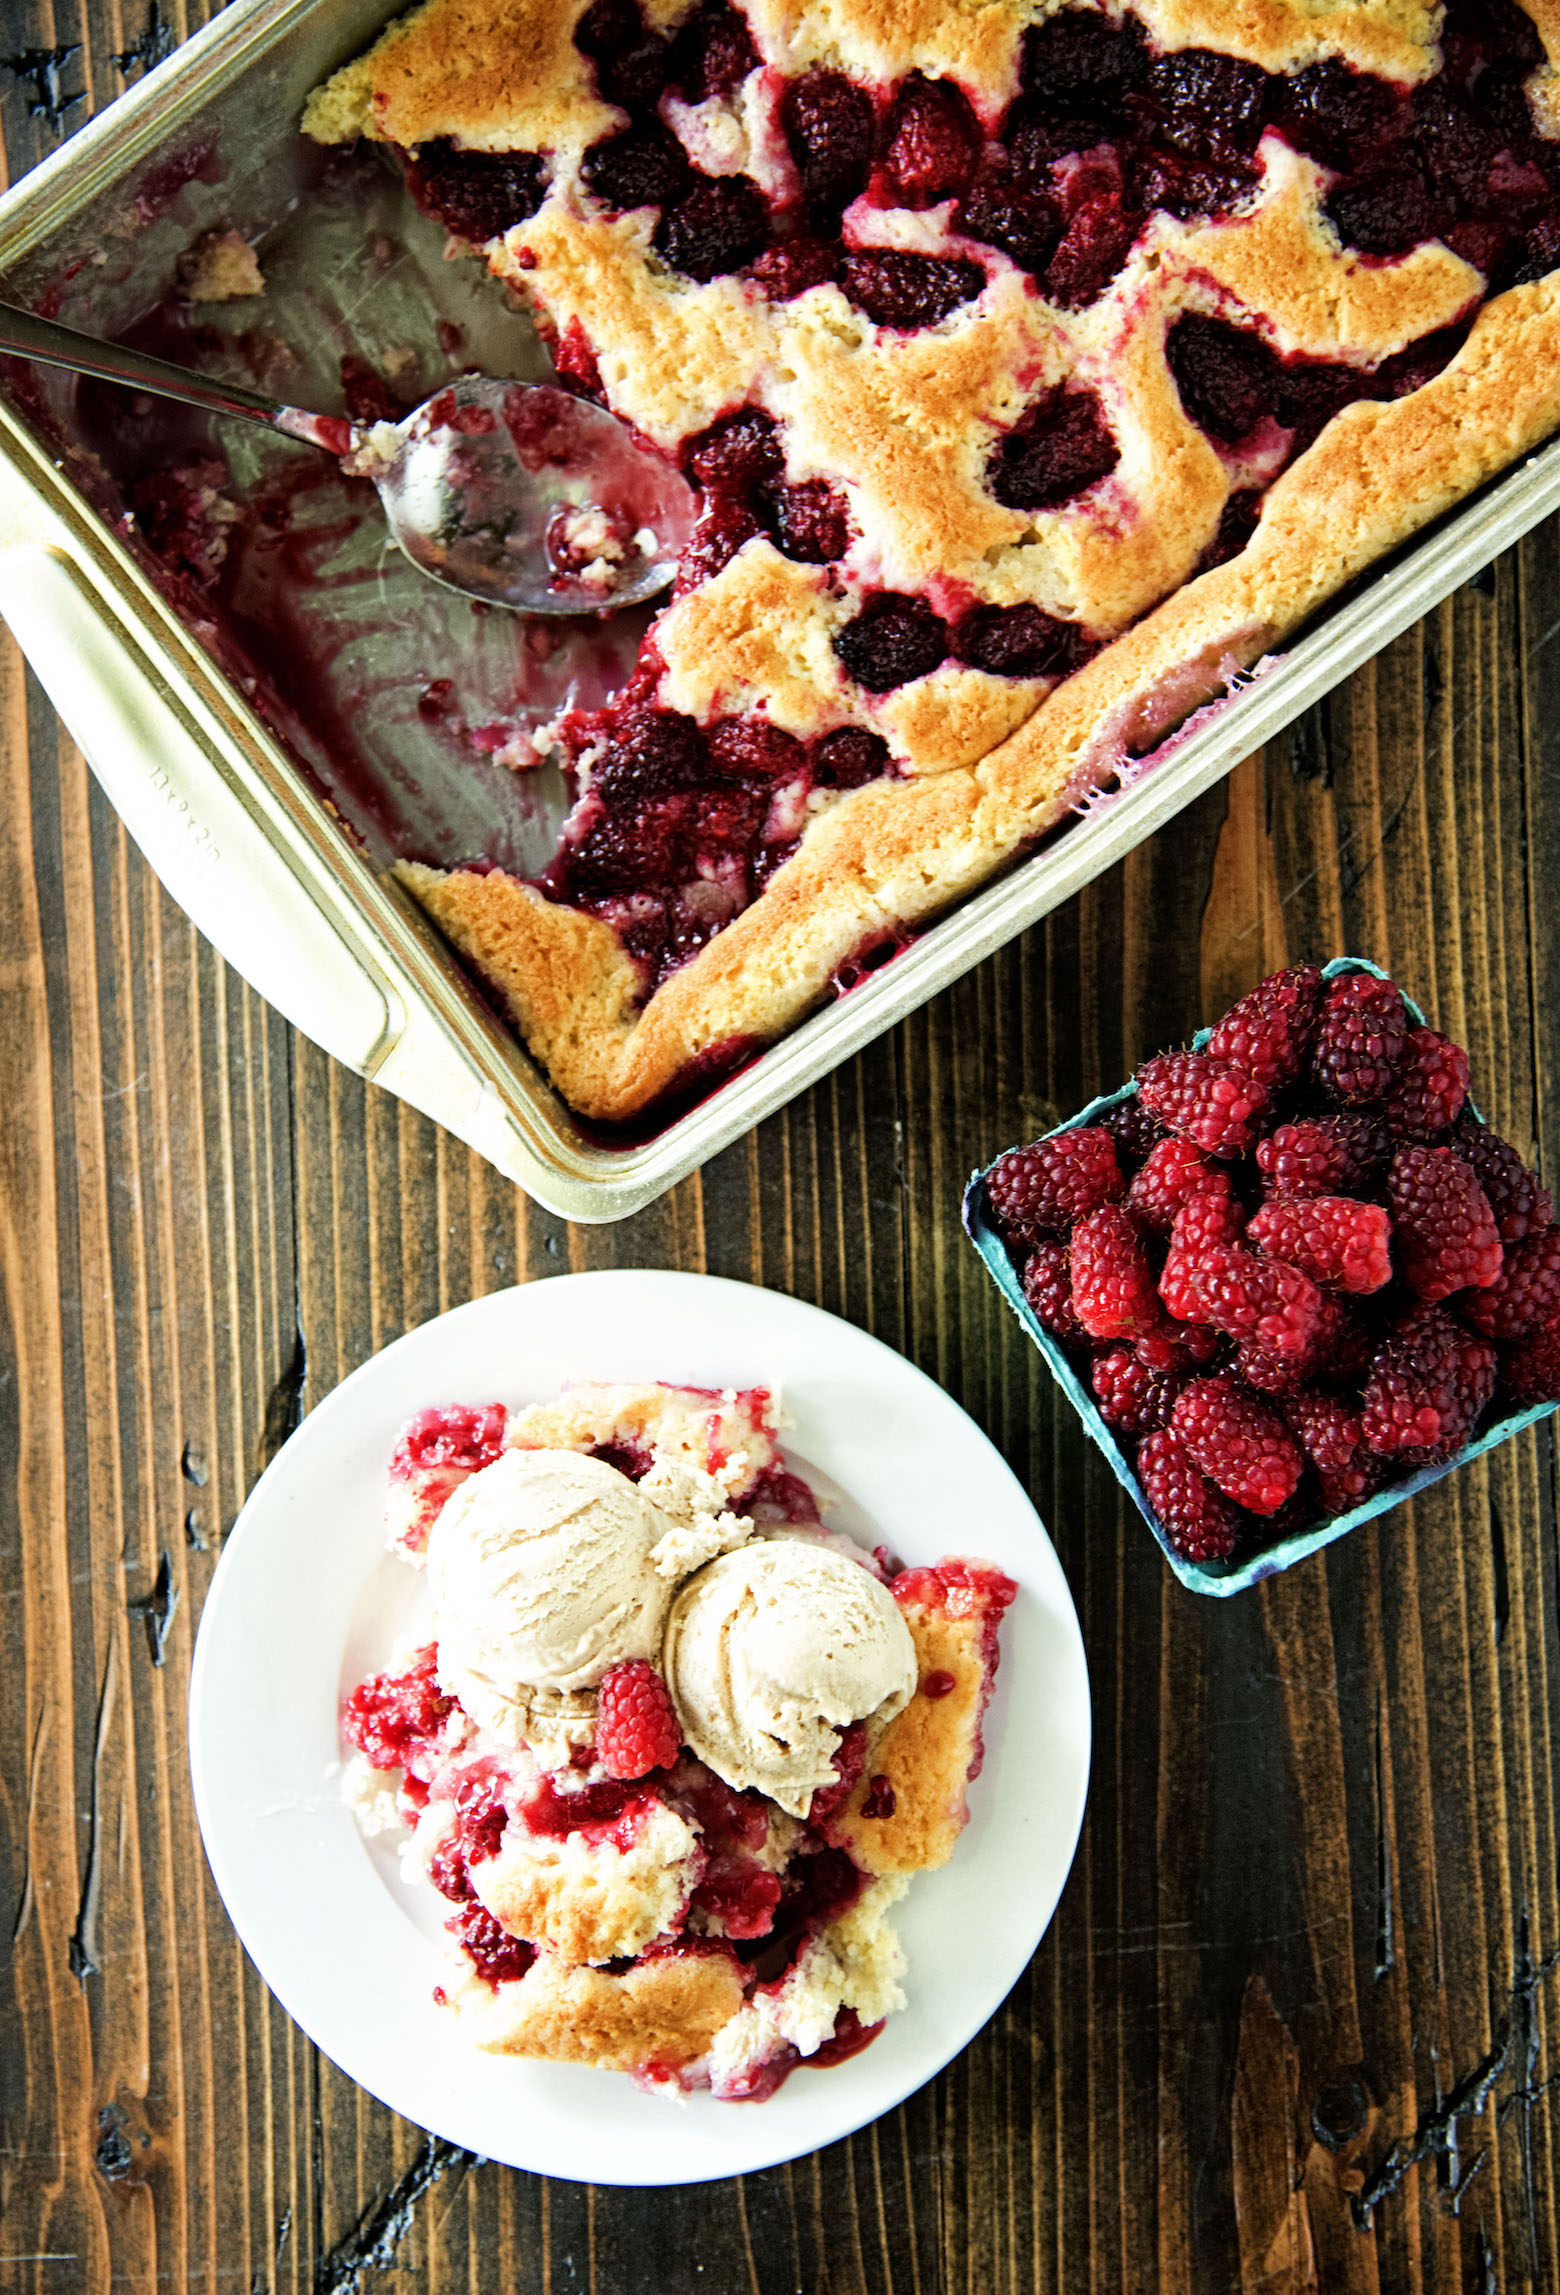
(306, 1600)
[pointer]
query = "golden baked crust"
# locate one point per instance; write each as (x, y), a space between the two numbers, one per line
(664, 2011)
(902, 422)
(925, 1754)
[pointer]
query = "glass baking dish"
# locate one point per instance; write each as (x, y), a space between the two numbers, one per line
(271, 836)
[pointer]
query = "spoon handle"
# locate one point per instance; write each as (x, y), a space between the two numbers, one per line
(27, 336)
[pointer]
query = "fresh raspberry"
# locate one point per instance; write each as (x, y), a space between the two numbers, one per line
(1521, 1206)
(1331, 1238)
(1112, 1282)
(1060, 445)
(1323, 1155)
(1332, 1434)
(636, 1722)
(1204, 1100)
(1431, 1087)
(1268, 1033)
(1360, 1039)
(1173, 1346)
(1444, 1231)
(1239, 1442)
(1042, 1190)
(1526, 1293)
(1047, 1281)
(1337, 1353)
(894, 638)
(1531, 1372)
(1175, 1171)
(1260, 1301)
(1017, 641)
(1133, 1399)
(1203, 1223)
(934, 141)
(1427, 1386)
(1194, 1514)
(1134, 1128)
(898, 288)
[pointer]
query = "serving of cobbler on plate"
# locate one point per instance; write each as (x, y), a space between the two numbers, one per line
(1039, 369)
(674, 1750)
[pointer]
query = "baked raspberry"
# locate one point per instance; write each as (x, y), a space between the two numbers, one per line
(631, 61)
(1047, 1281)
(712, 52)
(1133, 1398)
(1526, 1293)
(899, 289)
(1331, 112)
(636, 1723)
(724, 527)
(1101, 233)
(1427, 1386)
(1043, 1189)
(476, 194)
(1204, 1223)
(1017, 641)
(1521, 1206)
(642, 166)
(1361, 1038)
(1061, 446)
(650, 752)
(1331, 1238)
(794, 266)
(1531, 1372)
(497, 1957)
(812, 522)
(1084, 59)
(388, 1716)
(1432, 1084)
(893, 639)
(850, 757)
(1272, 1306)
(1268, 1033)
(1227, 376)
(1323, 1155)
(1203, 1100)
(1444, 1231)
(1113, 1290)
(933, 141)
(1186, 187)
(1026, 223)
(750, 747)
(1209, 105)
(1175, 1171)
(1193, 1512)
(1385, 212)
(828, 125)
(740, 454)
(1332, 1435)
(721, 225)
(464, 1435)
(1239, 1441)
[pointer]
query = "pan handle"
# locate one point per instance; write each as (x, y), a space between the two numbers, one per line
(191, 820)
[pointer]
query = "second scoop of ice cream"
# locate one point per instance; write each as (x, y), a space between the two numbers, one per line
(772, 1651)
(543, 1574)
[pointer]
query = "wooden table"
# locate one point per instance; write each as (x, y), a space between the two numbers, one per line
(1287, 2030)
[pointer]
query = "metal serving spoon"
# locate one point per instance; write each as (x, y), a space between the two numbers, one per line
(513, 492)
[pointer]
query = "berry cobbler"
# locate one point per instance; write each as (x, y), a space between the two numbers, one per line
(1038, 369)
(673, 1749)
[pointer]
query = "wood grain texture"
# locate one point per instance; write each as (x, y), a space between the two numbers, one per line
(1288, 2031)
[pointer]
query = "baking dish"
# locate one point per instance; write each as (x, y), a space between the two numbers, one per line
(215, 798)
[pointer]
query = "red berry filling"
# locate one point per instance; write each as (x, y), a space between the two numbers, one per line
(392, 1716)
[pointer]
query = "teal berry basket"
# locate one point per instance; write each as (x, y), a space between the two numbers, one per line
(1235, 1575)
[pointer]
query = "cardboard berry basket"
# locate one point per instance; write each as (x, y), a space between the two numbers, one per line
(1235, 1575)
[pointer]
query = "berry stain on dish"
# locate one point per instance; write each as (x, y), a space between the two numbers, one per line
(1298, 1273)
(672, 1749)
(1007, 378)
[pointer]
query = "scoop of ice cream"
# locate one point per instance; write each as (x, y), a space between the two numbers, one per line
(772, 1651)
(543, 1569)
